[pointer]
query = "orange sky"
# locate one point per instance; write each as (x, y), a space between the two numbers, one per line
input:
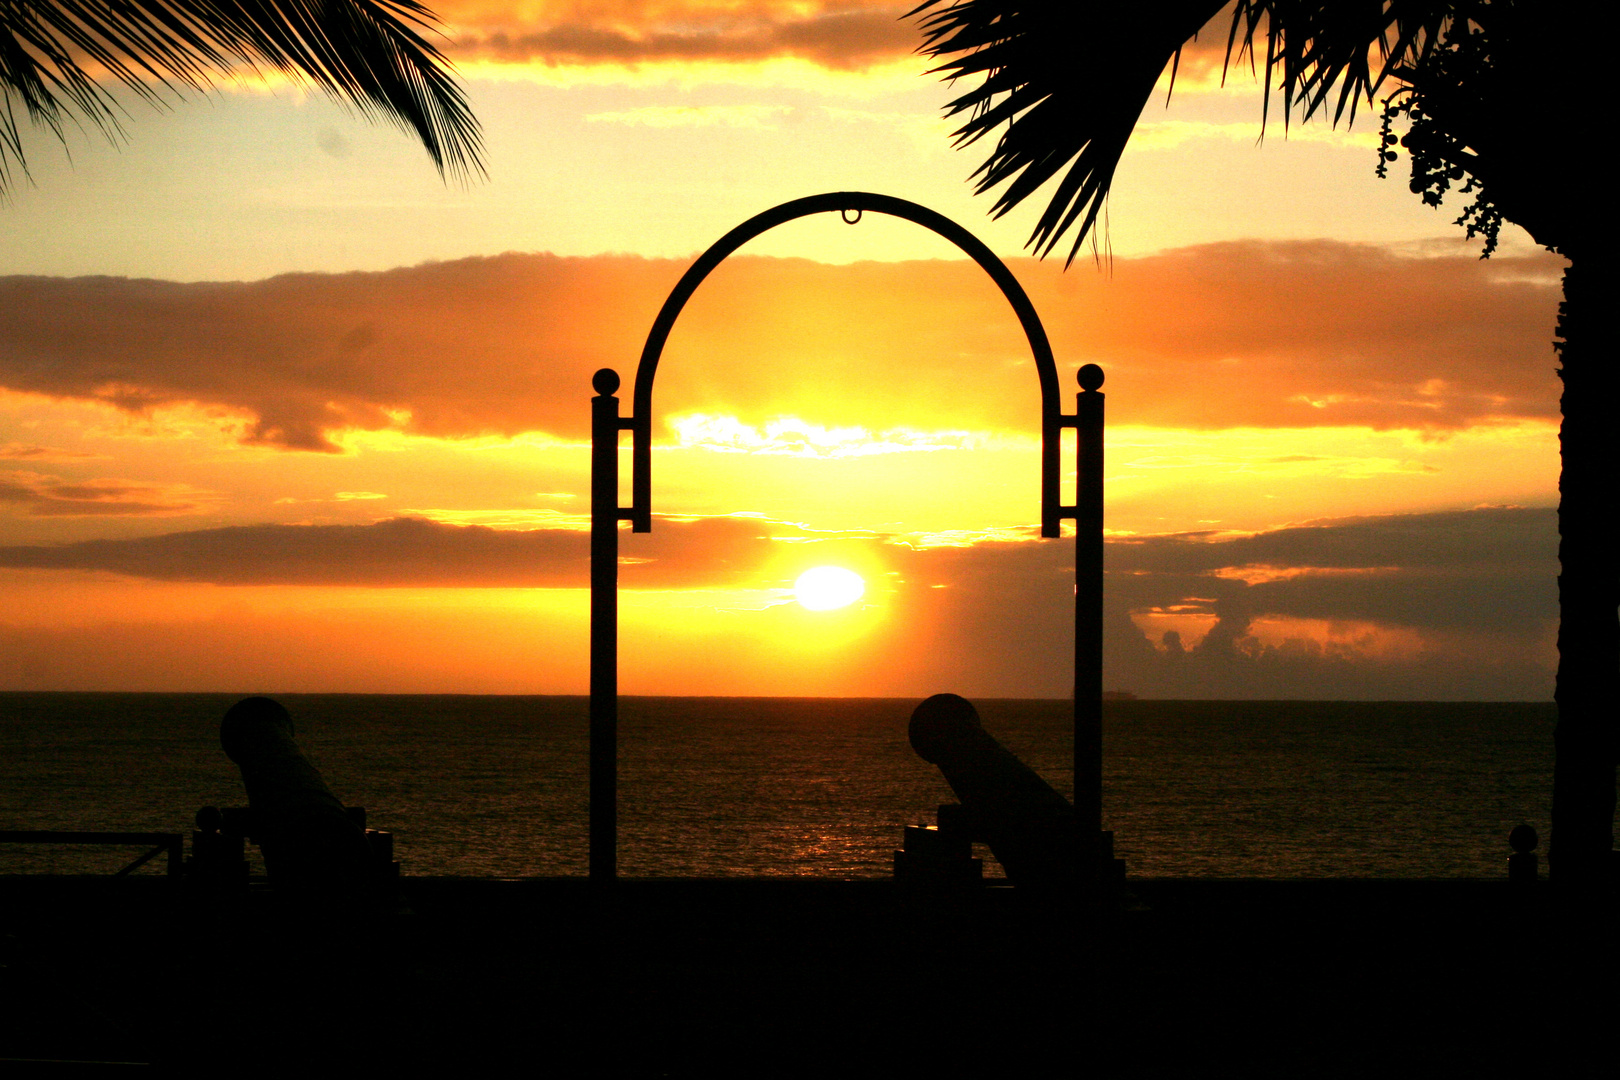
(279, 411)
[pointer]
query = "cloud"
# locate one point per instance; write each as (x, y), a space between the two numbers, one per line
(1506, 537)
(836, 34)
(1243, 334)
(409, 552)
(842, 35)
(1458, 604)
(1405, 607)
(39, 495)
(792, 437)
(16, 451)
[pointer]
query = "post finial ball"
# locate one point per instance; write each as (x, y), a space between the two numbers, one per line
(1523, 838)
(1091, 377)
(605, 381)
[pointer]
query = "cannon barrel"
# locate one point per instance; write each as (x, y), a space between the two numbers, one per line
(307, 838)
(1031, 829)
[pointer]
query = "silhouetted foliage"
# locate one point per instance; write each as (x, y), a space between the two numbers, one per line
(1069, 81)
(365, 53)
(1440, 155)
(1494, 94)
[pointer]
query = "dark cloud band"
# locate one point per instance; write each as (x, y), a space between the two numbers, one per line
(407, 552)
(1229, 335)
(840, 40)
(996, 617)
(38, 495)
(1476, 567)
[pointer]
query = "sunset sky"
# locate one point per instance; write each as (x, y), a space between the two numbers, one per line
(281, 410)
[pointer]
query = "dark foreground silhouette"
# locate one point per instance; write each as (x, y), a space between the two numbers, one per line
(787, 977)
(309, 841)
(1030, 828)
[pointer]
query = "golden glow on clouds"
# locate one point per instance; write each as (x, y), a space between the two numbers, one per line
(964, 612)
(1357, 640)
(791, 436)
(19, 451)
(1351, 638)
(885, 408)
(1260, 573)
(776, 74)
(1160, 479)
(966, 538)
(851, 35)
(505, 519)
(925, 346)
(45, 495)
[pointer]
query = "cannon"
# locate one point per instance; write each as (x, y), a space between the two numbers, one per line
(1031, 829)
(309, 841)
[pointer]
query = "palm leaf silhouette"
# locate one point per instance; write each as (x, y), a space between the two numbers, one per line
(1068, 80)
(365, 53)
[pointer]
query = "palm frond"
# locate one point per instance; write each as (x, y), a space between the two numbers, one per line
(1065, 81)
(366, 53)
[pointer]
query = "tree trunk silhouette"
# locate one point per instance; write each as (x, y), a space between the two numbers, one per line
(1502, 104)
(1588, 591)
(1500, 88)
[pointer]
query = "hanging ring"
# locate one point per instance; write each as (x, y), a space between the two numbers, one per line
(850, 220)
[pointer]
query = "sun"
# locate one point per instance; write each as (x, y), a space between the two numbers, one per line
(824, 588)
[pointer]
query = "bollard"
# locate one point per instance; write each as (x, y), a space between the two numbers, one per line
(308, 839)
(1031, 829)
(1523, 868)
(383, 863)
(937, 858)
(216, 853)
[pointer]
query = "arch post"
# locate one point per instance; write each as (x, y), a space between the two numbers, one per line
(605, 516)
(1096, 849)
(1088, 612)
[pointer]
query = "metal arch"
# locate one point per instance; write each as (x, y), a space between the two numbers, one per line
(844, 201)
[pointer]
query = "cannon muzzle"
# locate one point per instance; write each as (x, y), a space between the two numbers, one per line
(1031, 829)
(307, 838)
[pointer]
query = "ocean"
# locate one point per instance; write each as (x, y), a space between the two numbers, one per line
(496, 786)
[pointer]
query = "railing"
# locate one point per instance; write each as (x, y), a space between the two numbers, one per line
(159, 842)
